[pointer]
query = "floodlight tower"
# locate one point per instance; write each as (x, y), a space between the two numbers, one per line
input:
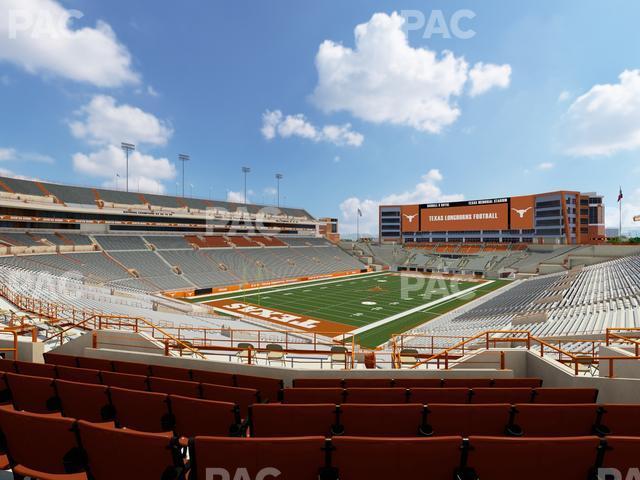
(245, 171)
(183, 158)
(128, 148)
(279, 177)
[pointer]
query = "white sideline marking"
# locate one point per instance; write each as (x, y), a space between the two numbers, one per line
(413, 310)
(283, 289)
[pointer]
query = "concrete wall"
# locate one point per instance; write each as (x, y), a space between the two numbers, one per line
(27, 350)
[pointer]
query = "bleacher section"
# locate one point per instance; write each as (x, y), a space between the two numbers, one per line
(582, 301)
(97, 408)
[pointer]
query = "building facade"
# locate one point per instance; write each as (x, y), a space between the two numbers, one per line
(562, 217)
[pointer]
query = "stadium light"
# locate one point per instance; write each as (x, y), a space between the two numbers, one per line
(279, 177)
(128, 148)
(183, 158)
(245, 170)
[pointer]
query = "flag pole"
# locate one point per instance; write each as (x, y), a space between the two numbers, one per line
(357, 226)
(620, 218)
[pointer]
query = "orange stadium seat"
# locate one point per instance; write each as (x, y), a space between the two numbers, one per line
(204, 417)
(41, 446)
(174, 373)
(241, 396)
(83, 375)
(269, 388)
(356, 458)
(289, 420)
(467, 419)
(565, 395)
(554, 420)
(124, 380)
(621, 454)
(217, 378)
(318, 383)
(95, 363)
(313, 395)
(130, 367)
(620, 420)
(7, 365)
(368, 383)
(501, 395)
(35, 369)
(376, 395)
(174, 387)
(117, 453)
(144, 411)
(296, 458)
(417, 382)
(439, 395)
(33, 394)
(403, 420)
(517, 382)
(59, 359)
(84, 401)
(531, 458)
(467, 382)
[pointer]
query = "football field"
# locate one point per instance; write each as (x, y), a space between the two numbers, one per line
(372, 307)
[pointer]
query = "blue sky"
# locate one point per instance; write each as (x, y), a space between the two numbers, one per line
(537, 99)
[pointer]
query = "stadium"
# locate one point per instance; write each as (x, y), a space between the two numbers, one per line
(372, 321)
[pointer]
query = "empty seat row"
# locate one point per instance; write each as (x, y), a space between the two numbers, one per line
(444, 458)
(417, 382)
(42, 446)
(439, 395)
(269, 387)
(406, 420)
(40, 394)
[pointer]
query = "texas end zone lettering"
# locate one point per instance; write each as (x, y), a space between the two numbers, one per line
(273, 315)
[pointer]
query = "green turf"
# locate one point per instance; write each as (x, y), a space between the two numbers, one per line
(341, 301)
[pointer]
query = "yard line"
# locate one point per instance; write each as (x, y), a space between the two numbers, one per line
(392, 318)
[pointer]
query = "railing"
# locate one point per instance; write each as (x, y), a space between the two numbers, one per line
(14, 348)
(616, 335)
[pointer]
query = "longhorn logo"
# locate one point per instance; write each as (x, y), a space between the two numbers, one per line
(521, 212)
(410, 217)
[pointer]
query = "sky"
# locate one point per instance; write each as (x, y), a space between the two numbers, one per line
(355, 103)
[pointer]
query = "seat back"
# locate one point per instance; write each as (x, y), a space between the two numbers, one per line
(418, 382)
(194, 416)
(517, 382)
(532, 458)
(95, 363)
(33, 394)
(621, 420)
(243, 397)
(565, 395)
(439, 395)
(130, 368)
(84, 401)
(35, 369)
(290, 420)
(376, 395)
(555, 420)
(621, 454)
(59, 359)
(216, 378)
(174, 387)
(43, 443)
(7, 365)
(117, 453)
(369, 458)
(297, 458)
(402, 420)
(313, 395)
(501, 395)
(269, 388)
(467, 420)
(125, 380)
(144, 411)
(467, 382)
(82, 375)
(174, 373)
(318, 383)
(368, 383)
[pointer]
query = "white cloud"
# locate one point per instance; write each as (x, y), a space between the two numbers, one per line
(546, 166)
(385, 80)
(270, 191)
(104, 122)
(37, 35)
(426, 191)
(336, 159)
(606, 119)
(12, 154)
(275, 123)
(145, 170)
(564, 96)
(484, 77)
(238, 197)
